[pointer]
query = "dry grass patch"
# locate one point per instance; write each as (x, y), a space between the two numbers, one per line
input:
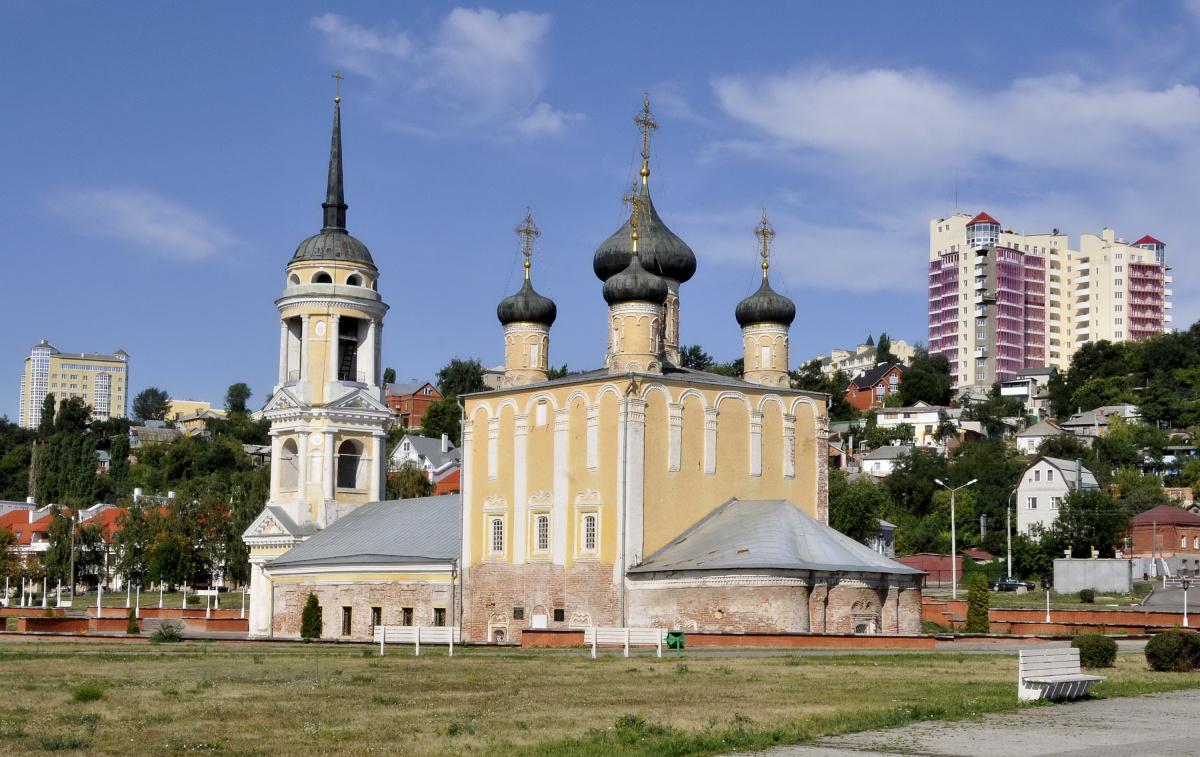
(289, 699)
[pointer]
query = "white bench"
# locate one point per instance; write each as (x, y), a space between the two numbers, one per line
(624, 637)
(1053, 674)
(418, 635)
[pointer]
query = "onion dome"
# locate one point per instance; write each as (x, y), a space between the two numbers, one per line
(527, 306)
(766, 305)
(662, 252)
(635, 284)
(334, 242)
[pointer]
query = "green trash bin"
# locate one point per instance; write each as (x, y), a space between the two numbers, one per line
(674, 639)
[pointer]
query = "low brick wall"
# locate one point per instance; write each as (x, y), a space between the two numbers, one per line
(952, 613)
(23, 612)
(574, 638)
(109, 625)
(216, 625)
(1094, 617)
(191, 612)
(53, 625)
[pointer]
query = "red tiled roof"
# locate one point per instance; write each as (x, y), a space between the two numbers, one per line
(979, 554)
(1147, 240)
(982, 218)
(1166, 514)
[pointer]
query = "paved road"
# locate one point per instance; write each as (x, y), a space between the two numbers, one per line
(1161, 725)
(1172, 599)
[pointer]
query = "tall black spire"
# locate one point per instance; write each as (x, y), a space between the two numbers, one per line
(335, 200)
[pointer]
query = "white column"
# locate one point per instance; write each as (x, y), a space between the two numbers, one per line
(369, 368)
(305, 465)
(332, 340)
(789, 446)
(635, 461)
(374, 473)
(493, 447)
(520, 487)
(710, 440)
(562, 426)
(283, 351)
(593, 436)
(674, 435)
(276, 464)
(756, 421)
(327, 483)
(260, 600)
(378, 378)
(305, 347)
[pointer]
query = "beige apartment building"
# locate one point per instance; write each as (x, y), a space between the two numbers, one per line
(1001, 301)
(101, 380)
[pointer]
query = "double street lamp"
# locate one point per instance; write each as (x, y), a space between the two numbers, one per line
(953, 534)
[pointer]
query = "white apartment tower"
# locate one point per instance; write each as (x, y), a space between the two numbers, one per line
(1000, 301)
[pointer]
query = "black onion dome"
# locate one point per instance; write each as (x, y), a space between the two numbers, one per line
(662, 252)
(635, 284)
(527, 306)
(765, 306)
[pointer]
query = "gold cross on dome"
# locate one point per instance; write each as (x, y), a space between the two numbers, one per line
(765, 234)
(337, 86)
(635, 201)
(528, 231)
(647, 124)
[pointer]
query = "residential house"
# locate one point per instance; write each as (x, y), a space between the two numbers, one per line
(1043, 487)
(1090, 424)
(437, 458)
(1029, 440)
(152, 432)
(410, 401)
(871, 388)
(881, 462)
(862, 357)
(939, 569)
(1031, 387)
(923, 417)
(1166, 530)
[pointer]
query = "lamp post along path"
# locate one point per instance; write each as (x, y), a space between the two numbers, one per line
(953, 534)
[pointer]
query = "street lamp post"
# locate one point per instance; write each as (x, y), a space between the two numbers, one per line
(953, 534)
(1008, 528)
(1186, 583)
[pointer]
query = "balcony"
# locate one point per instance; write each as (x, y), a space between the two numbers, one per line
(1082, 281)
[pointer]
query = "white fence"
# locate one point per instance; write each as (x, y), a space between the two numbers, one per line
(625, 637)
(418, 635)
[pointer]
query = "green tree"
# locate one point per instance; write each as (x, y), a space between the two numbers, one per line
(131, 624)
(855, 507)
(66, 470)
(443, 416)
(1138, 493)
(911, 483)
(9, 560)
(16, 454)
(732, 369)
(73, 416)
(310, 619)
(236, 397)
(1091, 518)
(389, 376)
(460, 377)
(118, 459)
(977, 605)
(927, 379)
(883, 350)
(170, 560)
(557, 373)
(46, 424)
(694, 357)
(151, 404)
(408, 482)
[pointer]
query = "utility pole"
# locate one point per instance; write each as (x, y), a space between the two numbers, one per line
(953, 534)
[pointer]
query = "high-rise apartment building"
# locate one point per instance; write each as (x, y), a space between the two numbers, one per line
(1000, 301)
(101, 380)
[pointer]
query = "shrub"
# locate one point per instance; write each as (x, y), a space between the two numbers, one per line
(131, 627)
(1174, 651)
(310, 619)
(1087, 596)
(977, 605)
(1095, 650)
(87, 692)
(168, 631)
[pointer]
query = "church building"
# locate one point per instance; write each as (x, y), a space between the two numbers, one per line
(641, 493)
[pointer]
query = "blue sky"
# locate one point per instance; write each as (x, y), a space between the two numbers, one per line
(162, 161)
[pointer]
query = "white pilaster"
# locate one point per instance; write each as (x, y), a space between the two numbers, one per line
(369, 353)
(468, 492)
(562, 426)
(375, 474)
(305, 346)
(710, 440)
(635, 461)
(331, 341)
(276, 464)
(283, 352)
(674, 435)
(756, 421)
(328, 478)
(493, 447)
(593, 436)
(520, 487)
(260, 601)
(789, 446)
(305, 467)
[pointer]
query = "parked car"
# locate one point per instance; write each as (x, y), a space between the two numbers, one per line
(1009, 584)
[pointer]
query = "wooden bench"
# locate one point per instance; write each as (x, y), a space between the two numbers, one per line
(1052, 674)
(418, 635)
(624, 638)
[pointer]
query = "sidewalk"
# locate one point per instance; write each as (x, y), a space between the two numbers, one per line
(1160, 725)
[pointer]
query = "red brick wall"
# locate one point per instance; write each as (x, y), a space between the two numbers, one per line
(733, 608)
(360, 598)
(585, 592)
(55, 625)
(1168, 538)
(561, 639)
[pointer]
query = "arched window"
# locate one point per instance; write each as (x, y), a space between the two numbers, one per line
(589, 533)
(348, 459)
(289, 466)
(322, 278)
(293, 280)
(542, 529)
(354, 280)
(497, 536)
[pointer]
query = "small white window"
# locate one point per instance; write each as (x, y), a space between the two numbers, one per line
(497, 536)
(1033, 503)
(764, 356)
(542, 530)
(535, 353)
(589, 533)
(1049, 475)
(1037, 475)
(1055, 503)
(539, 414)
(1183, 542)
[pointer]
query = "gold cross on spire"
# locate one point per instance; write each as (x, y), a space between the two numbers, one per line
(337, 86)
(528, 231)
(645, 121)
(635, 201)
(765, 234)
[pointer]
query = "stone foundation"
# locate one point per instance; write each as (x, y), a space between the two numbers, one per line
(360, 598)
(585, 593)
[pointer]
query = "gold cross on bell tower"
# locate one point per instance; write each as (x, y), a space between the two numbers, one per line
(765, 234)
(635, 201)
(528, 231)
(337, 86)
(645, 121)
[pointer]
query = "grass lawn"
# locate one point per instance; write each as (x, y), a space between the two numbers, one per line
(272, 699)
(230, 600)
(1036, 600)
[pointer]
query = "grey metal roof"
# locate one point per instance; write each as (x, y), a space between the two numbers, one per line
(431, 449)
(888, 452)
(1041, 428)
(408, 387)
(873, 376)
(398, 531)
(766, 534)
(288, 524)
(1067, 468)
(670, 372)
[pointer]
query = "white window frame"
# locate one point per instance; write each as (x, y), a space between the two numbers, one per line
(1031, 503)
(535, 547)
(490, 522)
(581, 550)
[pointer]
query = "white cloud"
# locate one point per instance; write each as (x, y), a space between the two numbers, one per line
(144, 219)
(477, 70)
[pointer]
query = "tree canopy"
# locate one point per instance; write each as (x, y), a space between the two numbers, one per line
(460, 377)
(151, 404)
(883, 350)
(927, 379)
(236, 397)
